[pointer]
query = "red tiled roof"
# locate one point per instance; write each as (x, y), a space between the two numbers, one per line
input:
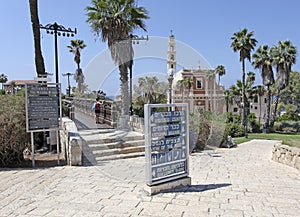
(20, 82)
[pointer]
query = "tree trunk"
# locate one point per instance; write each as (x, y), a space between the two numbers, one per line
(124, 89)
(244, 115)
(267, 124)
(39, 60)
(272, 121)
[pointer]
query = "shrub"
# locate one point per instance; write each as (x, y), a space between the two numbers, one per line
(287, 126)
(13, 136)
(234, 130)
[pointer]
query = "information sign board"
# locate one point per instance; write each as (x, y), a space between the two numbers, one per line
(166, 142)
(43, 106)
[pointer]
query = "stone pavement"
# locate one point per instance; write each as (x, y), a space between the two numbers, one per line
(242, 181)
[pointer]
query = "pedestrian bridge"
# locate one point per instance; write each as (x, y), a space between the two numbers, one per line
(102, 142)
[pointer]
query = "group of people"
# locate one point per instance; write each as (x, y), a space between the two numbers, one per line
(97, 108)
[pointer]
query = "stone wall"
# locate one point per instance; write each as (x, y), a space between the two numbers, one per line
(287, 155)
(71, 142)
(137, 123)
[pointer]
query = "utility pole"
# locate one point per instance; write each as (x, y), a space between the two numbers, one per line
(58, 30)
(69, 86)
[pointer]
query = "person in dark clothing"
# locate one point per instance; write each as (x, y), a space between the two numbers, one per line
(97, 110)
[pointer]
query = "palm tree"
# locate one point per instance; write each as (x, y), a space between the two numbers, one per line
(13, 86)
(220, 71)
(243, 42)
(260, 93)
(188, 84)
(263, 61)
(180, 86)
(3, 79)
(228, 97)
(39, 60)
(211, 75)
(115, 21)
(147, 86)
(284, 56)
(75, 48)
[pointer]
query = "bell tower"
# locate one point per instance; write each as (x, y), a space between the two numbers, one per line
(171, 62)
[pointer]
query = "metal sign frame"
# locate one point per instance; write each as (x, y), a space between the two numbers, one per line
(39, 92)
(166, 142)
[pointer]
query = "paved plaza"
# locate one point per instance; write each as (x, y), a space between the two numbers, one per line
(242, 181)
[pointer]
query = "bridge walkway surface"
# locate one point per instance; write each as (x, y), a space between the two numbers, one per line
(241, 181)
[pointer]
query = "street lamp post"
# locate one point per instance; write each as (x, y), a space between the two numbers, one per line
(170, 79)
(69, 86)
(135, 40)
(58, 30)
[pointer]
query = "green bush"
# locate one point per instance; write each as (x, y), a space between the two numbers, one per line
(13, 136)
(234, 130)
(287, 126)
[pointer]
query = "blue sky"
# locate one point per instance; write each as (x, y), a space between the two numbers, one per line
(203, 25)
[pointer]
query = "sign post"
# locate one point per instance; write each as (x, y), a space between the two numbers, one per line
(43, 110)
(166, 146)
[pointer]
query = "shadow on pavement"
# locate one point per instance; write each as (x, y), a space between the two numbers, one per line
(197, 188)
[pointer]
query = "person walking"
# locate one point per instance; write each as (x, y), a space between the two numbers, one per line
(97, 108)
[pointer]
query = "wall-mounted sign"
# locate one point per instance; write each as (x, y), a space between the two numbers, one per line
(166, 142)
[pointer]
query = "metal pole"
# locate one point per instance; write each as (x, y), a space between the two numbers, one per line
(57, 146)
(32, 150)
(130, 90)
(69, 85)
(56, 56)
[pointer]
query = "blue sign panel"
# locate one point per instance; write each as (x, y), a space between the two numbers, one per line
(166, 136)
(168, 170)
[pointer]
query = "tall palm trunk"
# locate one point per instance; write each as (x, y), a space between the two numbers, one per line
(244, 115)
(259, 118)
(267, 123)
(272, 121)
(124, 88)
(39, 60)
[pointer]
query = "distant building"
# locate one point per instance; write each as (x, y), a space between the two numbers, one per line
(204, 93)
(258, 106)
(16, 85)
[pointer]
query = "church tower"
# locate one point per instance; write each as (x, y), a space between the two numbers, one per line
(171, 62)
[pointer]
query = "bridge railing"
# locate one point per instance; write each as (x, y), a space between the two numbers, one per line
(108, 114)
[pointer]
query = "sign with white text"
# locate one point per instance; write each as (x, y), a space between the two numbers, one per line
(166, 142)
(43, 106)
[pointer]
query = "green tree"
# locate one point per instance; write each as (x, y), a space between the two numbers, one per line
(211, 75)
(263, 61)
(220, 71)
(243, 42)
(291, 94)
(115, 21)
(180, 86)
(188, 84)
(228, 97)
(3, 79)
(284, 56)
(39, 60)
(260, 93)
(75, 47)
(148, 91)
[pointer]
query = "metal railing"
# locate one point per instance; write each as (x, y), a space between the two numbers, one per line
(108, 113)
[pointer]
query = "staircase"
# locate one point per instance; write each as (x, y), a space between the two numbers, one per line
(109, 144)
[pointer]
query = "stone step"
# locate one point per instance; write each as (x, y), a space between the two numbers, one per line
(118, 144)
(109, 145)
(101, 139)
(117, 151)
(120, 156)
